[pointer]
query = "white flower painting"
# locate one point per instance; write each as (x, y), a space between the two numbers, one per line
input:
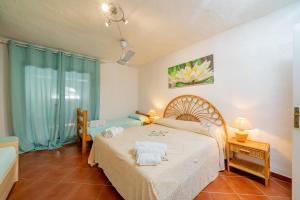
(198, 71)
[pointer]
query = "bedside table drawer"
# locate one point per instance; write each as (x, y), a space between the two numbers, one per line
(248, 151)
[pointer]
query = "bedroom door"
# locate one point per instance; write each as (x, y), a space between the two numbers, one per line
(296, 103)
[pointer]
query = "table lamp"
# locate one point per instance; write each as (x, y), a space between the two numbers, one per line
(153, 115)
(242, 125)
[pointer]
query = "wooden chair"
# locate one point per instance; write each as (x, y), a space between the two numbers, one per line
(82, 136)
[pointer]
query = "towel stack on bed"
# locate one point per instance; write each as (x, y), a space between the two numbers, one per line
(150, 153)
(112, 131)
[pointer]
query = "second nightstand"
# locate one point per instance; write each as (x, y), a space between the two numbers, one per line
(256, 150)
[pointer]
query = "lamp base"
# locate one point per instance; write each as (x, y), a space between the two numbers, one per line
(241, 136)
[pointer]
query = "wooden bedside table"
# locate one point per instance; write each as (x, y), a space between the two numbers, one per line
(257, 150)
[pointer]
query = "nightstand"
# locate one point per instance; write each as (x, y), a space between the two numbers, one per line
(253, 149)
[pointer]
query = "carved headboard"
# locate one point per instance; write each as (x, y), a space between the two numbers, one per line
(194, 108)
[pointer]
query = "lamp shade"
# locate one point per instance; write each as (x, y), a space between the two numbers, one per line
(152, 113)
(241, 124)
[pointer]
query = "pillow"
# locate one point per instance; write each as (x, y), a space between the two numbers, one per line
(196, 127)
(142, 118)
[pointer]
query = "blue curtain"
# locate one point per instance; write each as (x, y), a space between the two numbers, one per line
(80, 88)
(46, 88)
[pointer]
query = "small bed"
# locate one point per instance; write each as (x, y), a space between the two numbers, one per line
(194, 159)
(86, 132)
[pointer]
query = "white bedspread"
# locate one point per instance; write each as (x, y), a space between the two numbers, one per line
(193, 162)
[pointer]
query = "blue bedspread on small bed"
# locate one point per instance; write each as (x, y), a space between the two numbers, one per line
(125, 122)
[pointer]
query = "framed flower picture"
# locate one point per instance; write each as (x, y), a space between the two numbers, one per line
(196, 72)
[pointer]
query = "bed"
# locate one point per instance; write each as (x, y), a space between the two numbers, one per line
(86, 133)
(194, 160)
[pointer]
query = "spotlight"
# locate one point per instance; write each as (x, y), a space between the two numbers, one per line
(108, 23)
(105, 7)
(125, 21)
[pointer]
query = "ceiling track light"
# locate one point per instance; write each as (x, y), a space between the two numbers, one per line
(107, 23)
(125, 21)
(113, 13)
(105, 7)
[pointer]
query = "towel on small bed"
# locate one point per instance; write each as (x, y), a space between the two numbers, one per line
(112, 131)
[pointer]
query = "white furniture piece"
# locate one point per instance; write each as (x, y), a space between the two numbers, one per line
(9, 164)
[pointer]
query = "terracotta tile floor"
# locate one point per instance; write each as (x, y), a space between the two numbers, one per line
(65, 174)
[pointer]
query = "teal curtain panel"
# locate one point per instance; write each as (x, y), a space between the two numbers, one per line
(46, 88)
(80, 88)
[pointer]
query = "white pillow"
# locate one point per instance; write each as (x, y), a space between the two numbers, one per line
(196, 127)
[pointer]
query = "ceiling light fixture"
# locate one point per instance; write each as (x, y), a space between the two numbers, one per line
(125, 21)
(105, 7)
(108, 23)
(113, 13)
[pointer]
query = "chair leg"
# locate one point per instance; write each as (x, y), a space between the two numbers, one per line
(78, 141)
(83, 147)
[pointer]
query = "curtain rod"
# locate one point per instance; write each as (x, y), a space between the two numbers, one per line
(40, 47)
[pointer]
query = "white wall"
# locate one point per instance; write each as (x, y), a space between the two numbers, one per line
(119, 90)
(5, 117)
(253, 78)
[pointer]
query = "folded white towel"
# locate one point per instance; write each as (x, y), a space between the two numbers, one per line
(144, 159)
(151, 147)
(145, 149)
(112, 131)
(147, 153)
(95, 123)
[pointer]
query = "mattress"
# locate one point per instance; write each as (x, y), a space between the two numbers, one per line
(193, 162)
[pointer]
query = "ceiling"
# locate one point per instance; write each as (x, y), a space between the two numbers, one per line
(155, 29)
